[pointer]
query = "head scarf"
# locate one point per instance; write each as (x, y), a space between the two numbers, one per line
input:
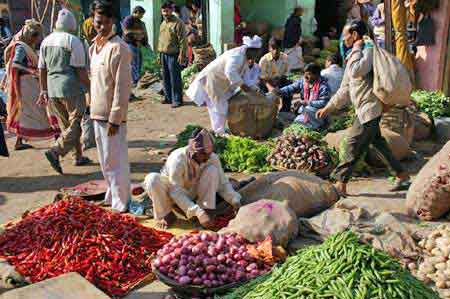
(202, 143)
(30, 27)
(66, 21)
(255, 42)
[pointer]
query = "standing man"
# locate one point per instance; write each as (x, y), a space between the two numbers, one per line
(357, 87)
(173, 48)
(110, 92)
(62, 63)
(292, 39)
(135, 35)
(221, 79)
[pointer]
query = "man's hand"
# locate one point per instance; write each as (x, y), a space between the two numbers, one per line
(43, 99)
(245, 88)
(182, 60)
(322, 113)
(113, 129)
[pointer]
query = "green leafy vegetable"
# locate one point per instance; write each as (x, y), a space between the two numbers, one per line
(343, 122)
(433, 103)
(188, 74)
(246, 155)
(150, 61)
(183, 137)
(300, 130)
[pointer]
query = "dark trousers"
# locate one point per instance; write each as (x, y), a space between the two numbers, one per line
(360, 138)
(280, 83)
(171, 73)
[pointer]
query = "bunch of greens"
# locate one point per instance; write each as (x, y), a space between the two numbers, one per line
(237, 154)
(433, 103)
(294, 76)
(183, 137)
(150, 62)
(343, 122)
(300, 130)
(246, 155)
(340, 268)
(188, 74)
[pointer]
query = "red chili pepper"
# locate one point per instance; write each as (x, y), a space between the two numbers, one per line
(73, 235)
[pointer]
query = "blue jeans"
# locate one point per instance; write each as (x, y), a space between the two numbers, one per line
(136, 63)
(171, 73)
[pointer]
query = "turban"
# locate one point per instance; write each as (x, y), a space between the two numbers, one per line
(255, 42)
(66, 21)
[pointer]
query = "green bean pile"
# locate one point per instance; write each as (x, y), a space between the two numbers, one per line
(341, 267)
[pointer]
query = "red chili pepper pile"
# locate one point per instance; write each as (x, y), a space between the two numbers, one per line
(110, 250)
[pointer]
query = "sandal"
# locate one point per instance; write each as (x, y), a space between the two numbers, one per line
(22, 147)
(401, 186)
(54, 161)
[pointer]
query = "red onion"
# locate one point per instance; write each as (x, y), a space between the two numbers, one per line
(184, 280)
(197, 281)
(210, 268)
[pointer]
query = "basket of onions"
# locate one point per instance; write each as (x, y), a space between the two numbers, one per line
(206, 263)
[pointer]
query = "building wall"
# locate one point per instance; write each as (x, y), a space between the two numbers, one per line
(431, 60)
(152, 18)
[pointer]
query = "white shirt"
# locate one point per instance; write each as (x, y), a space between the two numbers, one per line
(251, 75)
(334, 74)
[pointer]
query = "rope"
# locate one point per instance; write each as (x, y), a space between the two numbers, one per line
(52, 15)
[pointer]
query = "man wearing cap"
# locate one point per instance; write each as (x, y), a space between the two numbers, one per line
(62, 63)
(218, 82)
(190, 179)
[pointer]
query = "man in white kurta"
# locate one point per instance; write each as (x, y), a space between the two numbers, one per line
(190, 179)
(220, 80)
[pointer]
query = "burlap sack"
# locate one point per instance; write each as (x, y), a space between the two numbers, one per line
(423, 126)
(264, 218)
(401, 121)
(392, 83)
(429, 196)
(398, 144)
(203, 56)
(252, 115)
(334, 140)
(306, 194)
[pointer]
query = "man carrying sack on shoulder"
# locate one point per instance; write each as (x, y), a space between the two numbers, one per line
(358, 87)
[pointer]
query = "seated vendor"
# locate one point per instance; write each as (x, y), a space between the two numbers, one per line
(274, 70)
(314, 95)
(190, 179)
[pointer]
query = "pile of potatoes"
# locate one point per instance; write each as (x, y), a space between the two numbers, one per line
(435, 266)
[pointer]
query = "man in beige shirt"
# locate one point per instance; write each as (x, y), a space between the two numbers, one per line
(357, 87)
(274, 70)
(111, 84)
(173, 48)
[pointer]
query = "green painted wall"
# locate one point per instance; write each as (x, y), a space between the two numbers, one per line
(221, 23)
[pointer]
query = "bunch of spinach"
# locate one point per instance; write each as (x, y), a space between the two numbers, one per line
(150, 63)
(246, 155)
(433, 103)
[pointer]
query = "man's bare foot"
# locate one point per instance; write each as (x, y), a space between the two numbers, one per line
(341, 189)
(166, 222)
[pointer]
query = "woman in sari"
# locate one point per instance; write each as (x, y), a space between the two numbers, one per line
(26, 118)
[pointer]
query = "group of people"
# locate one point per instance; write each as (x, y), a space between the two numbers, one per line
(47, 94)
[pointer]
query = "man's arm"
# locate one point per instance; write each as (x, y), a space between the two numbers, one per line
(232, 67)
(84, 77)
(290, 90)
(361, 61)
(182, 42)
(121, 68)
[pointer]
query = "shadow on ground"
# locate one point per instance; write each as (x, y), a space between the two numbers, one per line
(44, 183)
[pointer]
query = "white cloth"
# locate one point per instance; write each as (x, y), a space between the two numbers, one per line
(252, 42)
(218, 82)
(113, 158)
(66, 21)
(251, 75)
(295, 58)
(334, 75)
(193, 196)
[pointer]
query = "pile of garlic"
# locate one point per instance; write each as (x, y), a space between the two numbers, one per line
(435, 266)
